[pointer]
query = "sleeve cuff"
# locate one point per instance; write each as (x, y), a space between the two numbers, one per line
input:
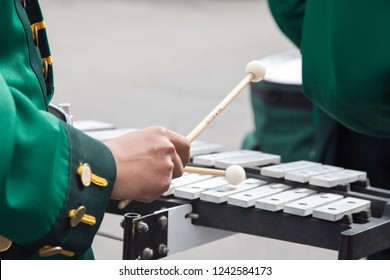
(79, 220)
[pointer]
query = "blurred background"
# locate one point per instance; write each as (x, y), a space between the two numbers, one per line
(139, 63)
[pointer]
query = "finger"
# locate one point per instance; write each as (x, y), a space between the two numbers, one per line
(182, 146)
(178, 167)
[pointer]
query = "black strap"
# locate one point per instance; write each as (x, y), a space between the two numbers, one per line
(34, 14)
(281, 96)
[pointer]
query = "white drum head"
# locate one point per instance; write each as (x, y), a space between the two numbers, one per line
(284, 68)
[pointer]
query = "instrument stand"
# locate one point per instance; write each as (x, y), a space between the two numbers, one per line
(168, 226)
(155, 230)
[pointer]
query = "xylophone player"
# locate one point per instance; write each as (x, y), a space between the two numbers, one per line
(346, 73)
(55, 181)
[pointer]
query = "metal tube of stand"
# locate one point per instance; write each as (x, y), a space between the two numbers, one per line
(128, 235)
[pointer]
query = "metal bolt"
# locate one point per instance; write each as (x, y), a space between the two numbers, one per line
(163, 221)
(142, 227)
(163, 249)
(193, 216)
(147, 253)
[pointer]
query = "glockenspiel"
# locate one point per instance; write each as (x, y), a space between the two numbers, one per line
(304, 202)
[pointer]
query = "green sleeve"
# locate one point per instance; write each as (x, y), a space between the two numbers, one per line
(289, 15)
(39, 183)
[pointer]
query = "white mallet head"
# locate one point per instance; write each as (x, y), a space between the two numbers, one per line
(257, 69)
(235, 174)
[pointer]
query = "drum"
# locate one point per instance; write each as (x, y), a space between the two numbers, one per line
(283, 116)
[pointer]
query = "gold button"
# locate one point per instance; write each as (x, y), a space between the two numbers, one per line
(46, 61)
(35, 35)
(35, 27)
(86, 176)
(49, 251)
(78, 215)
(85, 173)
(45, 68)
(5, 244)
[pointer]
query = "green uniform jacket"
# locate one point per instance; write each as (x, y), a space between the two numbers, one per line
(40, 154)
(345, 47)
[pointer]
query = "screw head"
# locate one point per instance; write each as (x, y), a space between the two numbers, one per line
(163, 221)
(142, 227)
(163, 249)
(147, 253)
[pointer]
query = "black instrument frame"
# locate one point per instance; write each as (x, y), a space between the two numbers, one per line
(354, 237)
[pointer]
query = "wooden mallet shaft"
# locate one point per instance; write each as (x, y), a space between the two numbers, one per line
(254, 73)
(234, 174)
(205, 171)
(189, 169)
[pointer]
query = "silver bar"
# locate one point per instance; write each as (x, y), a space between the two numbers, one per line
(247, 199)
(209, 160)
(279, 170)
(192, 191)
(276, 202)
(336, 210)
(303, 175)
(333, 179)
(256, 159)
(202, 148)
(306, 205)
(185, 180)
(220, 194)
